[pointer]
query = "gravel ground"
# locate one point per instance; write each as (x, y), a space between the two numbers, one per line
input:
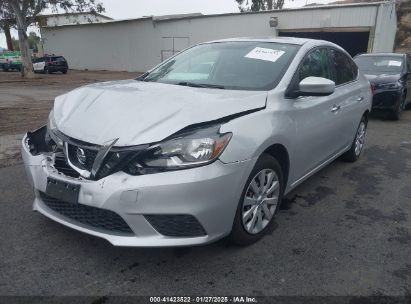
(345, 231)
(25, 103)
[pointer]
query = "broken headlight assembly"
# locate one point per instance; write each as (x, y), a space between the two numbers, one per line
(44, 139)
(187, 150)
(52, 130)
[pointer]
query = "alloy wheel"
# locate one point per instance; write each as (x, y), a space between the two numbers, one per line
(260, 201)
(360, 138)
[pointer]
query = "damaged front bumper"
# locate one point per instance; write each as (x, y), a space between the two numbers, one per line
(176, 208)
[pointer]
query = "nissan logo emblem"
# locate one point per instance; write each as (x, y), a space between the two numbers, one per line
(81, 156)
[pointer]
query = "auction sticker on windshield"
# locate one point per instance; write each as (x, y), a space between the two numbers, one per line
(394, 63)
(265, 54)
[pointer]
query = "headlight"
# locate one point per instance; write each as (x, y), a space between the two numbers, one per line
(52, 129)
(186, 151)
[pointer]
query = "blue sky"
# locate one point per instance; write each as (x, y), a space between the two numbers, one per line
(123, 9)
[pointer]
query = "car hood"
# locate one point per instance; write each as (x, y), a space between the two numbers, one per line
(382, 78)
(138, 112)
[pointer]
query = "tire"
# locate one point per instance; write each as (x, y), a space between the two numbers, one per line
(244, 232)
(46, 71)
(64, 71)
(396, 115)
(355, 151)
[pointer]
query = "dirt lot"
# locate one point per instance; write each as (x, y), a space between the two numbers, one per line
(25, 104)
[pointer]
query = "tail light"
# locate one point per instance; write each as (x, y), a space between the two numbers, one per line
(372, 87)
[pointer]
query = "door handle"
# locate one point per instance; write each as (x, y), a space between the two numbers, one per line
(359, 99)
(335, 108)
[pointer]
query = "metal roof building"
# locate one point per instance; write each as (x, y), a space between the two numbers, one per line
(139, 44)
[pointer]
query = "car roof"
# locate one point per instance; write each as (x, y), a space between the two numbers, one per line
(290, 40)
(303, 42)
(381, 54)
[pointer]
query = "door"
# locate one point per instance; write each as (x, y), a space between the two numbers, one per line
(354, 42)
(35, 63)
(316, 118)
(39, 64)
(349, 96)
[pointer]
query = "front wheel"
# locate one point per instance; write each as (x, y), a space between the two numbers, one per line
(396, 114)
(358, 144)
(259, 202)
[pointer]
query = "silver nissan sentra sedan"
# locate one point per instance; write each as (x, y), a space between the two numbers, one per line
(203, 146)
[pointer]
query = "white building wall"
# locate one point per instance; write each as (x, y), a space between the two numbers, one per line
(117, 47)
(136, 45)
(384, 35)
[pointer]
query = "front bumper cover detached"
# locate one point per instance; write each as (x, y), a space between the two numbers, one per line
(177, 208)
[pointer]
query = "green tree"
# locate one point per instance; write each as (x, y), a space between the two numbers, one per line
(34, 40)
(15, 43)
(259, 5)
(24, 13)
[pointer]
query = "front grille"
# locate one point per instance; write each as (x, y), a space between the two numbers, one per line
(82, 155)
(112, 161)
(91, 217)
(176, 225)
(384, 100)
(60, 164)
(90, 156)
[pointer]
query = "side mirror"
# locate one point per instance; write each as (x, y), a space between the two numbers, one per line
(316, 86)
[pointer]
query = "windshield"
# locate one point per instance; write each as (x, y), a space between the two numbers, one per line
(380, 64)
(57, 59)
(227, 65)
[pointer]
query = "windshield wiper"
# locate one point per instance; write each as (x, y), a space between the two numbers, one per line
(142, 77)
(200, 85)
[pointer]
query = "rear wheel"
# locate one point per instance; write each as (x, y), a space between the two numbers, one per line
(46, 70)
(259, 202)
(358, 144)
(64, 71)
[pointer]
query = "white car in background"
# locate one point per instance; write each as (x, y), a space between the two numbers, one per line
(50, 64)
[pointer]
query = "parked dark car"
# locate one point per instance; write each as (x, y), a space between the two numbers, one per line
(390, 78)
(10, 66)
(50, 64)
